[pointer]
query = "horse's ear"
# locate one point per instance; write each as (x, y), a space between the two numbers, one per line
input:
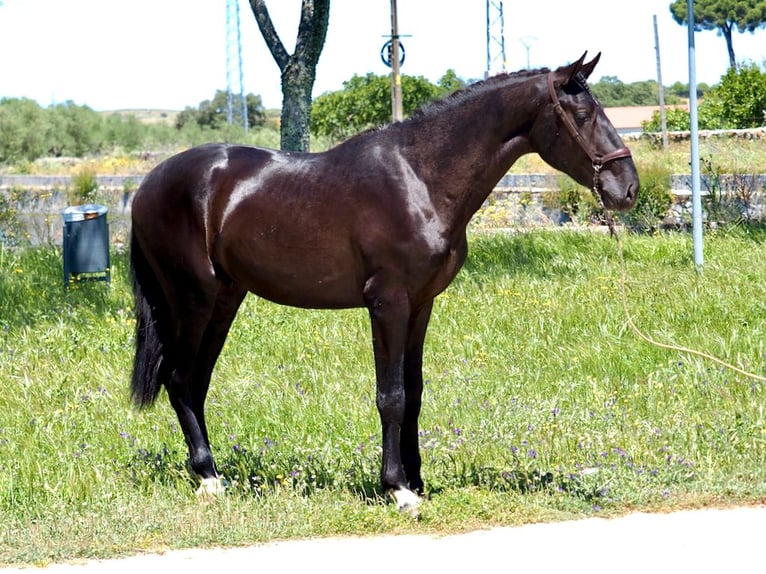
(587, 69)
(566, 74)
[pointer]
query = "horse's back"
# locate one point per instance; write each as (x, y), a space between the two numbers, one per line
(188, 176)
(178, 194)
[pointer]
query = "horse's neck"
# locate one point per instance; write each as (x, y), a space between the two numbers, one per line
(461, 156)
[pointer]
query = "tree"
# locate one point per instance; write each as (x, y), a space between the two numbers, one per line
(299, 69)
(612, 92)
(213, 113)
(450, 82)
(724, 16)
(738, 102)
(23, 129)
(73, 130)
(365, 102)
(681, 91)
(739, 99)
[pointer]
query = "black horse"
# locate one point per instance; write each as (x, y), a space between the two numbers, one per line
(378, 222)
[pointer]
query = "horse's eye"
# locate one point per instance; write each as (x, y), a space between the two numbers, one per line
(581, 116)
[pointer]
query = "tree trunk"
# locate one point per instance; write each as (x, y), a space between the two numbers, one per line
(297, 82)
(299, 69)
(726, 30)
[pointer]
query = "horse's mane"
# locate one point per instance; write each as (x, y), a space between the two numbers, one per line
(460, 96)
(457, 98)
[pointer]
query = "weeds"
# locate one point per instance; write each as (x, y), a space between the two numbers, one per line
(84, 186)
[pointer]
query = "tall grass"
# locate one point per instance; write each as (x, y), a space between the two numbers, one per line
(539, 403)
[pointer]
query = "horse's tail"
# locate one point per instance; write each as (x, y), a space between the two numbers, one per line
(148, 372)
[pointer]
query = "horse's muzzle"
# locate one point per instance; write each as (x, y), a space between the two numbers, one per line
(623, 201)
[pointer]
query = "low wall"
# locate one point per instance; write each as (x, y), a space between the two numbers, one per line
(518, 201)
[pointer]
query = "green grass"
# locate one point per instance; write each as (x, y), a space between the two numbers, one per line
(540, 404)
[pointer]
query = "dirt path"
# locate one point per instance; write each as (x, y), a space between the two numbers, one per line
(716, 540)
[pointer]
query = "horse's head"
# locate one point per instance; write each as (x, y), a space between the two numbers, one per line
(573, 134)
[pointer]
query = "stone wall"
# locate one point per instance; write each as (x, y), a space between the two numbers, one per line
(518, 201)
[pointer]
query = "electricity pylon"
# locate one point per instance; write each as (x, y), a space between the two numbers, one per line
(236, 104)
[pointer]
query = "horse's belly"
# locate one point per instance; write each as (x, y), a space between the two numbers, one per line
(309, 276)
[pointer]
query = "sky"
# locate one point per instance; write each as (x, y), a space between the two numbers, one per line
(171, 54)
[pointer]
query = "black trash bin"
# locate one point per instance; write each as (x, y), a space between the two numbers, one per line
(86, 243)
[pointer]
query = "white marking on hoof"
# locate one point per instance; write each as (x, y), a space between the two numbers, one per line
(407, 502)
(211, 487)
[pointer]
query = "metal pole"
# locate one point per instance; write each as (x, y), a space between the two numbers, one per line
(396, 78)
(663, 118)
(695, 155)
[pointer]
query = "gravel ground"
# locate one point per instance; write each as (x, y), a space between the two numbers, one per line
(711, 540)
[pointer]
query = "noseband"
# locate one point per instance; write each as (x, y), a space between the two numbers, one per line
(596, 159)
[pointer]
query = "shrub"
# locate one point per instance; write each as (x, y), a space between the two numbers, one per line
(738, 102)
(676, 120)
(654, 198)
(741, 97)
(84, 186)
(11, 226)
(730, 198)
(573, 199)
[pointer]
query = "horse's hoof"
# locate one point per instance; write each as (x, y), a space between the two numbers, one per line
(211, 487)
(407, 502)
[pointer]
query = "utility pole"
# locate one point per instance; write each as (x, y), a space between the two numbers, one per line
(663, 119)
(527, 42)
(396, 77)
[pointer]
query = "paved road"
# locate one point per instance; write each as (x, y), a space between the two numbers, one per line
(716, 541)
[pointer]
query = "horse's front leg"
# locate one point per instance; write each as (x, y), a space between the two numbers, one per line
(389, 315)
(413, 389)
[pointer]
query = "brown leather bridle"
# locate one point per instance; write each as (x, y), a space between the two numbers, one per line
(596, 159)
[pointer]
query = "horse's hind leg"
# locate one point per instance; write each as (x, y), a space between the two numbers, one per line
(226, 305)
(203, 314)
